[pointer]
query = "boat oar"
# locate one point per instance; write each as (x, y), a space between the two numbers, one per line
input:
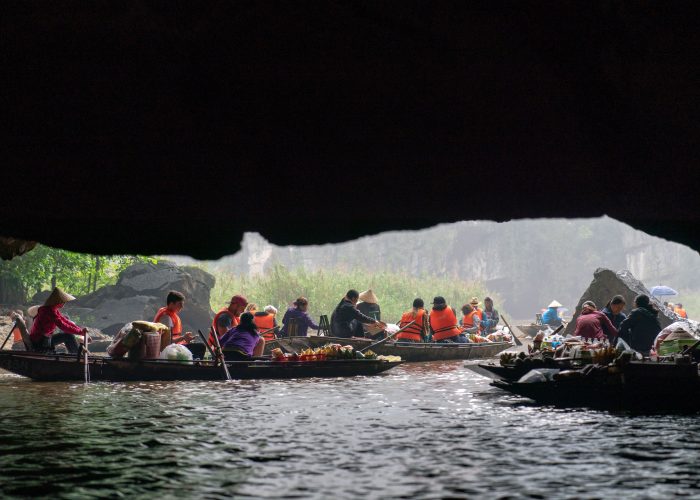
(388, 337)
(87, 366)
(515, 337)
(220, 355)
(14, 325)
(206, 343)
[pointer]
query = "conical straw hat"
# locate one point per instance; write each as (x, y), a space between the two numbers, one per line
(368, 296)
(58, 296)
(555, 304)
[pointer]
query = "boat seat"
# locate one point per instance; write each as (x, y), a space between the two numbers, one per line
(292, 327)
(324, 326)
(538, 319)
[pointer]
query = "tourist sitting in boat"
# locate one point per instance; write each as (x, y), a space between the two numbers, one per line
(345, 312)
(613, 310)
(266, 323)
(443, 323)
(168, 316)
(642, 325)
(243, 341)
(369, 306)
(551, 315)
(471, 321)
(227, 318)
(43, 334)
(593, 324)
(298, 315)
(420, 329)
(490, 317)
(680, 311)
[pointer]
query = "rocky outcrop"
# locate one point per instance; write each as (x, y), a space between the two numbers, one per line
(140, 290)
(13, 247)
(607, 283)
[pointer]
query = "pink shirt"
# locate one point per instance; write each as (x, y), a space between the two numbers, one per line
(594, 325)
(46, 321)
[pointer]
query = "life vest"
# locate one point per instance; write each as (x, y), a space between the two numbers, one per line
(414, 331)
(681, 312)
(265, 322)
(176, 329)
(234, 322)
(468, 320)
(444, 324)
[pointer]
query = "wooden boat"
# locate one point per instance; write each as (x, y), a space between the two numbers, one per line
(639, 385)
(408, 351)
(512, 372)
(531, 329)
(68, 368)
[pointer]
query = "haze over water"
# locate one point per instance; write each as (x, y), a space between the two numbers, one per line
(419, 431)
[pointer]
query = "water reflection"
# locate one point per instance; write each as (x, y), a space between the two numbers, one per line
(419, 431)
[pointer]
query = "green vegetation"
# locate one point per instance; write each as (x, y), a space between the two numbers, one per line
(44, 268)
(325, 288)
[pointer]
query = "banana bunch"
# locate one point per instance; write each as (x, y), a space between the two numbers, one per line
(508, 358)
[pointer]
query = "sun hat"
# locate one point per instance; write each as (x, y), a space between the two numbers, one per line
(58, 296)
(368, 296)
(474, 302)
(439, 300)
(554, 303)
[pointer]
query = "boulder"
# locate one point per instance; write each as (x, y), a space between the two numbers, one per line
(607, 283)
(140, 291)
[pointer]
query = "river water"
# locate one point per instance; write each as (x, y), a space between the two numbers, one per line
(426, 430)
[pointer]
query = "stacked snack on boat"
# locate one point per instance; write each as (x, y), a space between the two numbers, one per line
(327, 352)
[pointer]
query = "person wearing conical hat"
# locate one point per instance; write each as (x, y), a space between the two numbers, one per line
(551, 315)
(43, 333)
(473, 316)
(369, 306)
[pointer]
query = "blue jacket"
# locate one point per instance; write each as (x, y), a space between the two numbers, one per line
(550, 317)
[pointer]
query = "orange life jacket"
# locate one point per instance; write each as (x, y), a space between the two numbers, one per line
(681, 312)
(16, 335)
(444, 324)
(234, 322)
(468, 320)
(265, 322)
(414, 331)
(176, 329)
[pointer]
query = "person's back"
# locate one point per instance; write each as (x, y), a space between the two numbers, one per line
(244, 338)
(550, 317)
(640, 329)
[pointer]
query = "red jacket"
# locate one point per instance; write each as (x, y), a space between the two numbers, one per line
(594, 325)
(46, 321)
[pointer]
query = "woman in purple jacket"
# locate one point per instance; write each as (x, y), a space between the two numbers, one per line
(242, 341)
(299, 315)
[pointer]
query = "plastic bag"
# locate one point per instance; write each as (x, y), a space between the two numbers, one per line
(177, 352)
(539, 375)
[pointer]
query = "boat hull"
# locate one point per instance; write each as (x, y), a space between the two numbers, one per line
(407, 351)
(67, 368)
(637, 386)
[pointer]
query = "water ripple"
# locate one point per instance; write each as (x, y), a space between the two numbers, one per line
(420, 431)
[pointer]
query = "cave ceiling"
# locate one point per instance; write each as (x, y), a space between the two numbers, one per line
(175, 127)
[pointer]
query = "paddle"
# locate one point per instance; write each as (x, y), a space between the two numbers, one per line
(206, 343)
(388, 337)
(220, 355)
(14, 325)
(87, 366)
(515, 337)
